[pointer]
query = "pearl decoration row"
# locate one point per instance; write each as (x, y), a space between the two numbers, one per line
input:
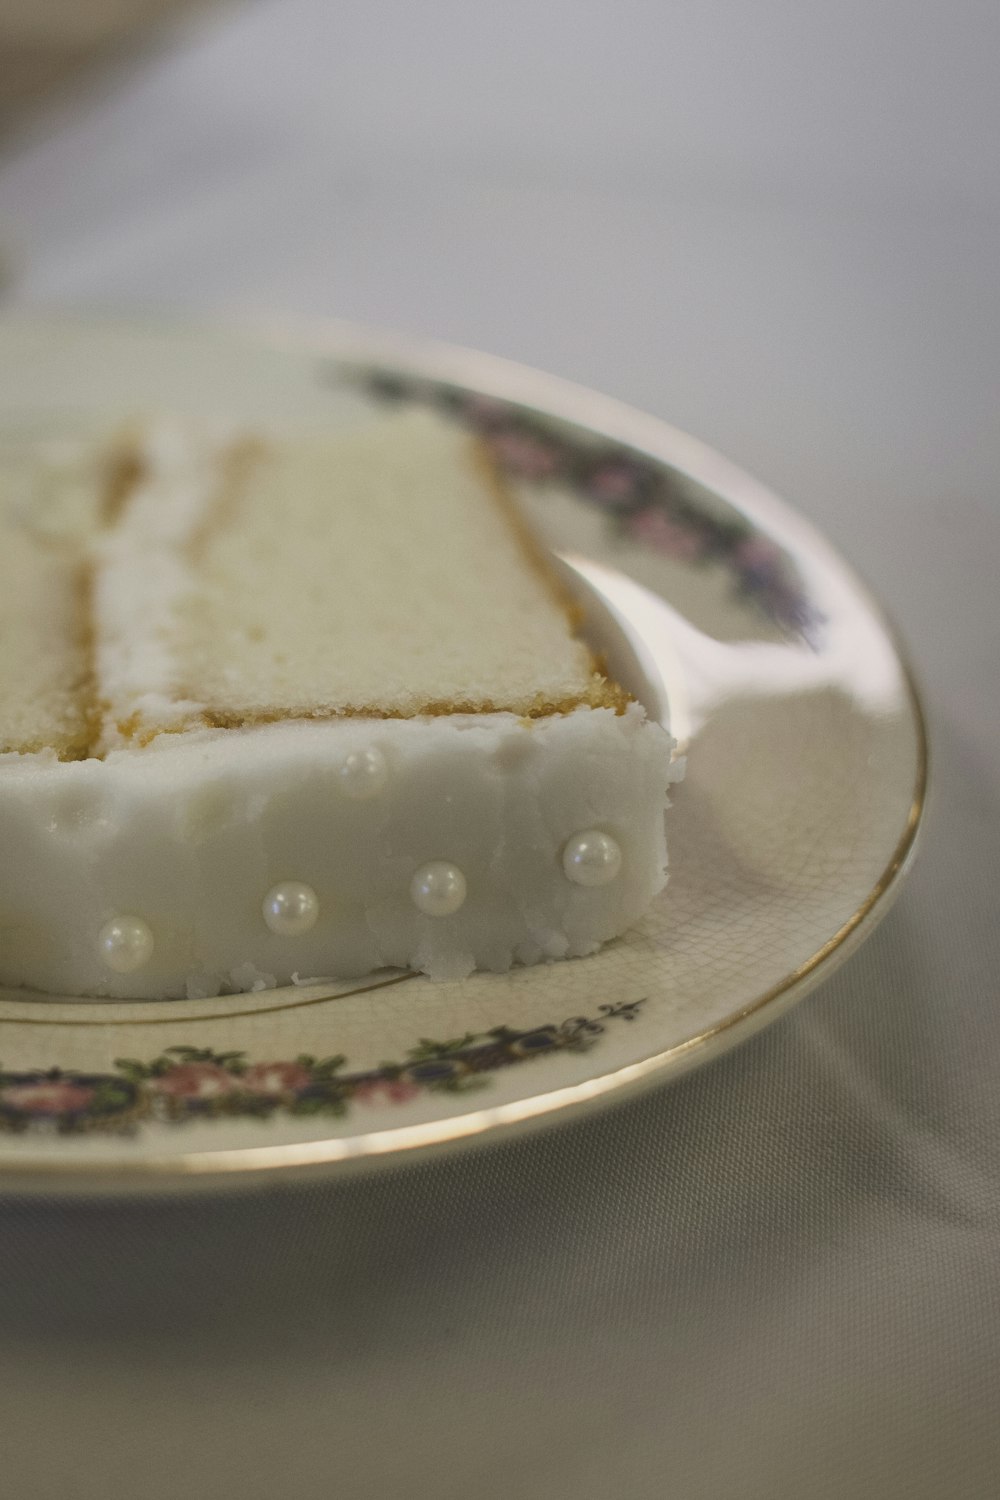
(438, 889)
(125, 944)
(363, 774)
(592, 858)
(290, 909)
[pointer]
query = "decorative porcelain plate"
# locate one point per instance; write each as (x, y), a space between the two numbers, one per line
(719, 606)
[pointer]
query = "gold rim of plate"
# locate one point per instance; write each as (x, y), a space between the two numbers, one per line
(509, 381)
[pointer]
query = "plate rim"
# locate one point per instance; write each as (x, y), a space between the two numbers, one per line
(505, 379)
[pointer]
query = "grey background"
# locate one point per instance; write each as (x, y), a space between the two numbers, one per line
(777, 224)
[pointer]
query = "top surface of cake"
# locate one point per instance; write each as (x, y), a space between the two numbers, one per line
(229, 582)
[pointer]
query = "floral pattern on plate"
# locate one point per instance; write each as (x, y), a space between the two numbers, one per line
(644, 502)
(196, 1083)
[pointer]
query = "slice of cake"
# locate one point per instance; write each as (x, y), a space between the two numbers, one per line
(306, 707)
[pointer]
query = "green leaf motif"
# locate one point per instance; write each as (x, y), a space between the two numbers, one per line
(134, 1093)
(428, 1050)
(133, 1069)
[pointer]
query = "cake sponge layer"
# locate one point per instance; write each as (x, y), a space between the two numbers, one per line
(382, 572)
(52, 499)
(44, 656)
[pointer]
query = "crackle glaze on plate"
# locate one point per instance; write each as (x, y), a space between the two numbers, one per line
(804, 788)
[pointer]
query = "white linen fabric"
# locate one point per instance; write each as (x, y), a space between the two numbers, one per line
(777, 223)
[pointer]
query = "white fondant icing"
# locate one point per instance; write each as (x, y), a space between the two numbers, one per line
(193, 829)
(182, 473)
(592, 858)
(438, 889)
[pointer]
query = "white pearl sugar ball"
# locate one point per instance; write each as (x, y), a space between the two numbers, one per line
(363, 774)
(438, 889)
(125, 943)
(291, 908)
(592, 858)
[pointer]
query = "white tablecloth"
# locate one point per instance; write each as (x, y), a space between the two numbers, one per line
(777, 223)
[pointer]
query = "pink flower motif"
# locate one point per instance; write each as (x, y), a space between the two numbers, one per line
(612, 483)
(486, 411)
(200, 1080)
(757, 554)
(663, 534)
(275, 1078)
(523, 455)
(49, 1096)
(386, 1091)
